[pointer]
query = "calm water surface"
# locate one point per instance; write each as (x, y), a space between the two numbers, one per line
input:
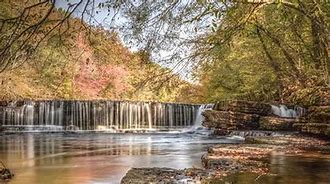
(97, 158)
(288, 170)
(105, 158)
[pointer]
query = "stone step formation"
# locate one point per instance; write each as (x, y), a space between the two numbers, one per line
(228, 116)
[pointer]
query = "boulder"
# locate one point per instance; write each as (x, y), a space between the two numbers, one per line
(248, 107)
(319, 114)
(277, 123)
(230, 120)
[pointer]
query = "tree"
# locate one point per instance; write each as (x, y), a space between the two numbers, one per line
(294, 41)
(286, 33)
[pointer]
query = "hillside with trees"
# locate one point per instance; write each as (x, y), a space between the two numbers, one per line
(76, 62)
(265, 50)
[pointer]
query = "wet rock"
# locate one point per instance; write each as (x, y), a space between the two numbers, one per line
(321, 129)
(319, 114)
(229, 120)
(257, 133)
(5, 174)
(318, 121)
(254, 155)
(236, 158)
(248, 107)
(265, 140)
(221, 132)
(291, 144)
(164, 176)
(151, 175)
(277, 124)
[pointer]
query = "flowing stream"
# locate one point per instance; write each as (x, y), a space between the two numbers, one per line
(98, 158)
(85, 158)
(105, 156)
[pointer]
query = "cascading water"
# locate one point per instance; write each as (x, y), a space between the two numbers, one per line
(199, 118)
(285, 112)
(97, 115)
(197, 127)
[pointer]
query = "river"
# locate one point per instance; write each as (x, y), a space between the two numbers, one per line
(88, 158)
(96, 158)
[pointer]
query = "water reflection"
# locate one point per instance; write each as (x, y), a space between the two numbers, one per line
(105, 158)
(96, 158)
(288, 170)
(299, 170)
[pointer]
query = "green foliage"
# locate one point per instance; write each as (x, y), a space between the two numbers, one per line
(268, 51)
(235, 72)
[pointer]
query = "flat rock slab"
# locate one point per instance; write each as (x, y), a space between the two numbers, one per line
(164, 176)
(224, 160)
(291, 144)
(254, 156)
(237, 158)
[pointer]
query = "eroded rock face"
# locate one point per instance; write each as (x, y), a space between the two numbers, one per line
(318, 121)
(277, 124)
(319, 114)
(228, 116)
(244, 107)
(229, 120)
(322, 129)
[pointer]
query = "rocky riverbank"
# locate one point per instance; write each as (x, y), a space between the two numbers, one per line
(222, 161)
(229, 116)
(253, 157)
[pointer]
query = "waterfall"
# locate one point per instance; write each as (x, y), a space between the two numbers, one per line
(199, 118)
(285, 112)
(97, 115)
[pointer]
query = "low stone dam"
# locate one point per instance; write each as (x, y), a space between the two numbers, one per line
(96, 115)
